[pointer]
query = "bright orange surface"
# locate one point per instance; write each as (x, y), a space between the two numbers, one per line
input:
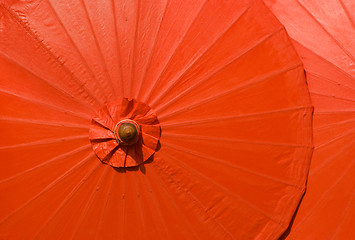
(324, 36)
(229, 92)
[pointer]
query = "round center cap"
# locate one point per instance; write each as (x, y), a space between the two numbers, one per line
(128, 133)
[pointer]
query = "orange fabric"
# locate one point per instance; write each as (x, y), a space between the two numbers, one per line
(323, 33)
(225, 83)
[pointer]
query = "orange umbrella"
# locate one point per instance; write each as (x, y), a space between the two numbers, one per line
(324, 35)
(149, 120)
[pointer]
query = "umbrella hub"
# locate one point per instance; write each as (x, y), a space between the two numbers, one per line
(127, 132)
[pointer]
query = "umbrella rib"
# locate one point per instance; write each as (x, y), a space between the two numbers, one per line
(147, 96)
(323, 78)
(81, 57)
(249, 83)
(89, 203)
(173, 201)
(51, 160)
(243, 169)
(113, 90)
(46, 105)
(30, 32)
(334, 139)
(327, 32)
(66, 199)
(156, 204)
(173, 83)
(345, 212)
(208, 138)
(43, 142)
(100, 223)
(334, 97)
(324, 59)
(64, 93)
(314, 170)
(138, 94)
(215, 72)
(133, 62)
(347, 13)
(334, 112)
(222, 118)
(47, 123)
(330, 126)
(235, 195)
(194, 199)
(139, 203)
(117, 46)
(123, 206)
(50, 186)
(310, 211)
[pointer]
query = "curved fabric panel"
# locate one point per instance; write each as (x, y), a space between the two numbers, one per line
(323, 33)
(228, 90)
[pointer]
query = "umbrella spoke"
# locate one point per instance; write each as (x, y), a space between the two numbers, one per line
(61, 91)
(154, 48)
(39, 122)
(243, 169)
(245, 85)
(346, 211)
(335, 97)
(173, 201)
(215, 42)
(194, 199)
(349, 54)
(209, 139)
(230, 193)
(133, 63)
(103, 61)
(30, 32)
(42, 142)
(118, 48)
(311, 211)
(105, 209)
(222, 118)
(331, 126)
(323, 78)
(50, 186)
(140, 203)
(84, 61)
(45, 104)
(148, 92)
(67, 199)
(314, 170)
(352, 131)
(347, 12)
(153, 200)
(54, 159)
(324, 59)
(210, 75)
(89, 203)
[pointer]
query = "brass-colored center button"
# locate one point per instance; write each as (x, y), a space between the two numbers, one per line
(128, 133)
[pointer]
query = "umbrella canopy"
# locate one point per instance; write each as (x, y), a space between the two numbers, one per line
(149, 120)
(324, 35)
